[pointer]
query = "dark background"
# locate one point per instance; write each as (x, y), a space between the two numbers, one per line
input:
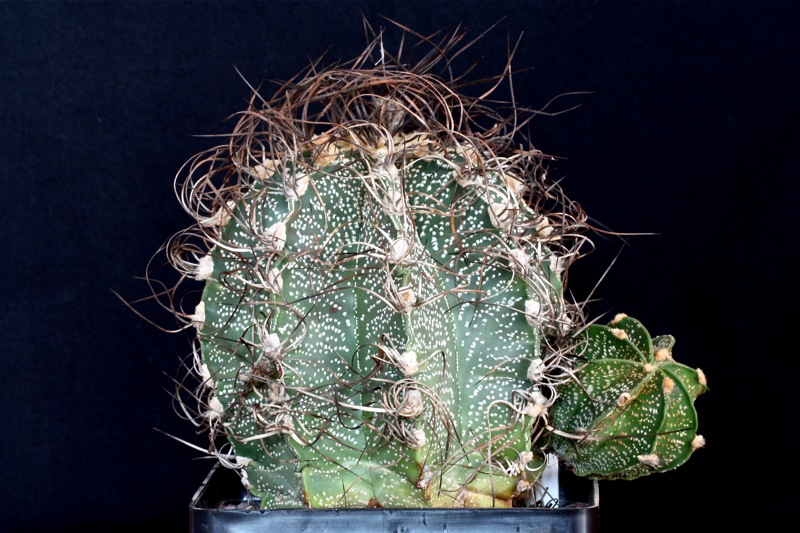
(688, 130)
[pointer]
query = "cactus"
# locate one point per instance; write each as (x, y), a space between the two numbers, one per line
(383, 319)
(631, 405)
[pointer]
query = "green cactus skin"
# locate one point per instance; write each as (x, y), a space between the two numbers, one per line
(630, 412)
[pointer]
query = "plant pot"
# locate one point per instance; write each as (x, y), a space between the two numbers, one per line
(221, 505)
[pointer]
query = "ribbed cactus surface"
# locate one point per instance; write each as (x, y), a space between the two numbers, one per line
(630, 412)
(364, 327)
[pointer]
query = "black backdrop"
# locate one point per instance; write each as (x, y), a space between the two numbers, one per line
(688, 130)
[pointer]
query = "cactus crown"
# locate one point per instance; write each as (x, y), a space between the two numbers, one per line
(383, 320)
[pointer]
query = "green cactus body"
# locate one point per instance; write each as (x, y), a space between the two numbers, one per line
(366, 337)
(383, 322)
(630, 412)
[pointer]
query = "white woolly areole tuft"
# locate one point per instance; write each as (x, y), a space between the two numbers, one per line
(425, 477)
(618, 333)
(295, 187)
(205, 375)
(205, 267)
(514, 184)
(412, 405)
(274, 280)
(558, 264)
(538, 404)
(536, 370)
(520, 465)
(270, 342)
(417, 439)
(543, 227)
(698, 442)
(538, 398)
(519, 260)
(215, 409)
(535, 410)
(277, 392)
(245, 481)
(328, 152)
(662, 354)
(407, 363)
(466, 177)
(650, 460)
(285, 423)
(265, 170)
(243, 461)
(502, 215)
(701, 377)
(533, 311)
(199, 316)
(400, 251)
(624, 399)
(407, 297)
(277, 235)
(564, 324)
(394, 203)
(220, 216)
(619, 317)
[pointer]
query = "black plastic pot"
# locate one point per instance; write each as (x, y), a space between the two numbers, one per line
(214, 510)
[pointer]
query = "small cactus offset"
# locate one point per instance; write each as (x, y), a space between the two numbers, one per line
(383, 320)
(630, 412)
